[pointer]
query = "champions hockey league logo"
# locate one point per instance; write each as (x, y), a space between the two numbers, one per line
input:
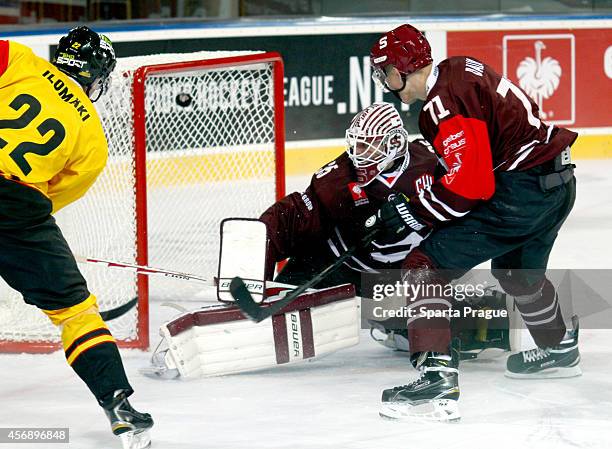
(358, 194)
(544, 67)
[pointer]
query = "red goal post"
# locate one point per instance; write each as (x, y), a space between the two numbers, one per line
(192, 140)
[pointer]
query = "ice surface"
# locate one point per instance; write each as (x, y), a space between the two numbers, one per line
(333, 402)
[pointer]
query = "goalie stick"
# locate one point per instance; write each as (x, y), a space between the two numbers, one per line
(259, 312)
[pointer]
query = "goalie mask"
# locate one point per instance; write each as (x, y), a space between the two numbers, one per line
(375, 138)
(88, 58)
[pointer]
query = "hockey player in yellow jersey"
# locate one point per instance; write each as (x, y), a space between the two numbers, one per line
(54, 140)
(52, 148)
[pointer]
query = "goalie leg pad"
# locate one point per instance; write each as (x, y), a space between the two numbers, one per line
(219, 340)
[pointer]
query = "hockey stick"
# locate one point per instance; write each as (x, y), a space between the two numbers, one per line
(143, 269)
(111, 314)
(258, 312)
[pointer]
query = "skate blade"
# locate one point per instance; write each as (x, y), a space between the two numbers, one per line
(551, 373)
(440, 410)
(136, 440)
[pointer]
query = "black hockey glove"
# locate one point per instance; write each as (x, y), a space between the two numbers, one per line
(395, 220)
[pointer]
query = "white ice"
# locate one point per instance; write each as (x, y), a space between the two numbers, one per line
(333, 402)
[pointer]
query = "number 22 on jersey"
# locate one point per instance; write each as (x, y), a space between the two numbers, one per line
(50, 128)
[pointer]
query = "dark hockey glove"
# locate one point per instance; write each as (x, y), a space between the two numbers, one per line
(396, 221)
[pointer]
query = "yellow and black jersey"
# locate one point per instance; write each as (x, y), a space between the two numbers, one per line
(51, 137)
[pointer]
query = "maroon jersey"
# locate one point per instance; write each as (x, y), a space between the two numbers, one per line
(479, 122)
(333, 210)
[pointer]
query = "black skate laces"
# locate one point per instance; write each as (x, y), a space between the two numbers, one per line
(443, 362)
(413, 383)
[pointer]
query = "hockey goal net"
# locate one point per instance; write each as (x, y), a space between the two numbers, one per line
(193, 138)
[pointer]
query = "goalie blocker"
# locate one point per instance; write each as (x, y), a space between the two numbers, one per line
(219, 340)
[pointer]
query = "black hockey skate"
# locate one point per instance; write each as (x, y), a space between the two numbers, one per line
(433, 396)
(128, 424)
(549, 363)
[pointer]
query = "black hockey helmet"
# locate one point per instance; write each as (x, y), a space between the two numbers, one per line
(87, 57)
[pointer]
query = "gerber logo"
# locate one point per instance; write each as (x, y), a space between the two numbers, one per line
(408, 218)
(453, 142)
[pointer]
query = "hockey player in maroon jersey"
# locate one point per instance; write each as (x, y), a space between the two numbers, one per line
(314, 227)
(317, 225)
(508, 189)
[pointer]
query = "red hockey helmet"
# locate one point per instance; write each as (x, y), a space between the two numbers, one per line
(405, 48)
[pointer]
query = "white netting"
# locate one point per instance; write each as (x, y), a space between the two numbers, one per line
(210, 154)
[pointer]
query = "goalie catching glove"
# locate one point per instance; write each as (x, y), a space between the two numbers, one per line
(395, 220)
